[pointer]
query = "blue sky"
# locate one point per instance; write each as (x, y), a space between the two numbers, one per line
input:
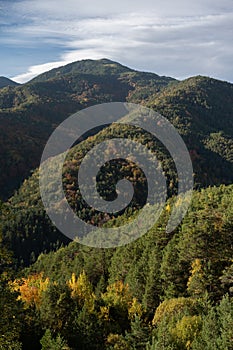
(178, 38)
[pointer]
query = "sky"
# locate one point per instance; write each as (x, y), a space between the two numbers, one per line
(178, 38)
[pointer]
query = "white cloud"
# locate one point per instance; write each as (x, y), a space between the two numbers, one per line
(179, 38)
(87, 8)
(35, 70)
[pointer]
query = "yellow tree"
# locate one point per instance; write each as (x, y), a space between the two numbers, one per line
(31, 289)
(174, 307)
(186, 330)
(81, 290)
(196, 281)
(119, 305)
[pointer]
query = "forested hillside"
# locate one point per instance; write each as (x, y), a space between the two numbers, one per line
(199, 107)
(163, 291)
(29, 113)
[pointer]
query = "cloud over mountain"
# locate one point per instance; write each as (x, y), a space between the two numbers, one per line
(176, 38)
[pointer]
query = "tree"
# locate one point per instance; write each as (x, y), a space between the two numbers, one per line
(225, 316)
(138, 335)
(50, 343)
(175, 308)
(196, 282)
(81, 290)
(119, 307)
(162, 338)
(31, 289)
(209, 333)
(186, 330)
(153, 288)
(117, 342)
(11, 308)
(88, 330)
(10, 320)
(227, 279)
(57, 309)
(173, 273)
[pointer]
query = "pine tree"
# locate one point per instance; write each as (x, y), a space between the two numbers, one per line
(153, 289)
(138, 336)
(208, 336)
(174, 274)
(50, 343)
(225, 315)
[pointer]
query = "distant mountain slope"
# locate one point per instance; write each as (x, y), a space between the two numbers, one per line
(7, 82)
(95, 67)
(29, 113)
(201, 109)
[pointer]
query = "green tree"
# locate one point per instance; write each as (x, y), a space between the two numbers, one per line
(50, 343)
(11, 308)
(138, 335)
(153, 289)
(10, 320)
(208, 337)
(57, 309)
(225, 316)
(174, 274)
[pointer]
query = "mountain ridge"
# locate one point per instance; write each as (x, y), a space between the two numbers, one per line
(7, 82)
(30, 112)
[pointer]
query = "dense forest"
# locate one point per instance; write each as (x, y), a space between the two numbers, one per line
(163, 291)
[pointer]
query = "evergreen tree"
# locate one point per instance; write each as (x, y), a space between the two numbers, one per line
(138, 336)
(225, 316)
(50, 343)
(153, 289)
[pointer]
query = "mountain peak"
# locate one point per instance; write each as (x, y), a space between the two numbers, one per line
(88, 66)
